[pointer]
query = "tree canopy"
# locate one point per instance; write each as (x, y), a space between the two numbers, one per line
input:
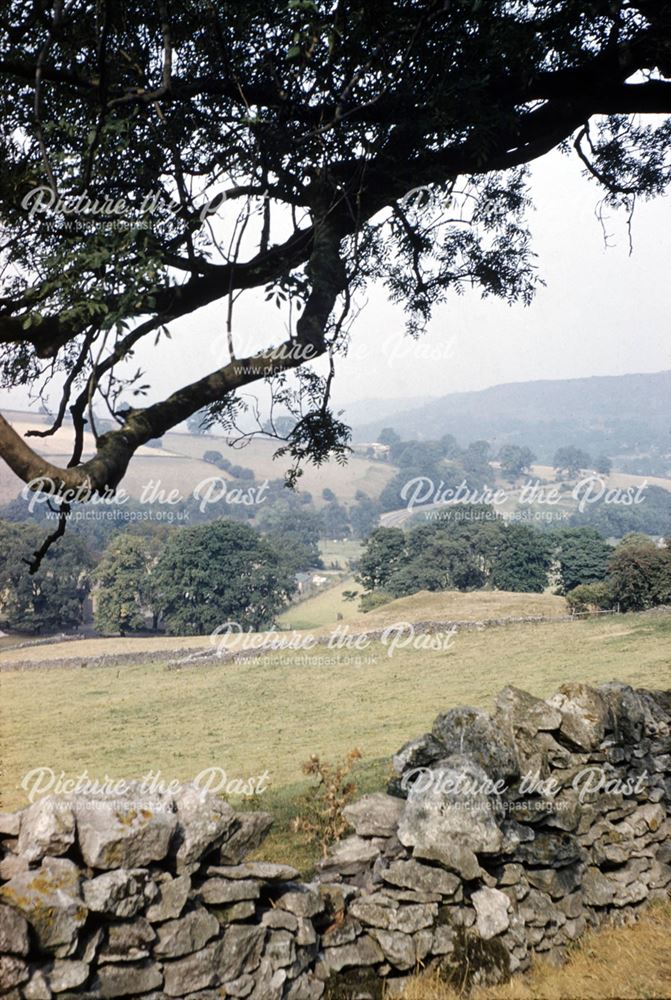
(216, 573)
(159, 157)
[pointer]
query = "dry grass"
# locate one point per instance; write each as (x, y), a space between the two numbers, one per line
(615, 963)
(455, 605)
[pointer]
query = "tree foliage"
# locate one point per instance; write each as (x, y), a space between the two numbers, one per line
(124, 583)
(220, 572)
(515, 459)
(470, 550)
(640, 575)
(54, 600)
(569, 461)
(582, 556)
(304, 149)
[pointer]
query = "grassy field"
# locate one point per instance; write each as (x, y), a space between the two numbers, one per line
(318, 614)
(323, 608)
(341, 554)
(271, 714)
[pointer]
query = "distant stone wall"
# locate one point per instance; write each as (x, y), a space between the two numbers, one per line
(501, 837)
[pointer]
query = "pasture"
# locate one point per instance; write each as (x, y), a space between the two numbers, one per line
(272, 712)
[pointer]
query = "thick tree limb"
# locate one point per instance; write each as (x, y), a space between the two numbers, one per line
(103, 472)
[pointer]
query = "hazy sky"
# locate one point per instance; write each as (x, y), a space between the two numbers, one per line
(603, 312)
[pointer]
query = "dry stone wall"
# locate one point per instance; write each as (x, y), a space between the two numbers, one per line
(500, 837)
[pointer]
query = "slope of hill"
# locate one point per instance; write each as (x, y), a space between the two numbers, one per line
(344, 480)
(603, 414)
(179, 464)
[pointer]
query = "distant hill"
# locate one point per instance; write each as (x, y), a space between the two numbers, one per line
(618, 414)
(374, 411)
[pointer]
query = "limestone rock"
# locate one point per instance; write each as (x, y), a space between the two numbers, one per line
(263, 870)
(491, 908)
(339, 933)
(47, 827)
(280, 949)
(10, 824)
(556, 882)
(584, 713)
(375, 815)
(443, 940)
(398, 948)
(549, 849)
(280, 920)
(246, 834)
(375, 911)
(426, 878)
(305, 987)
(127, 941)
(186, 934)
(49, 898)
(526, 712)
(13, 972)
(130, 980)
(204, 821)
(352, 850)
(597, 889)
(365, 951)
(240, 987)
(172, 896)
(471, 732)
(449, 826)
(37, 987)
(11, 865)
(116, 835)
(195, 972)
(67, 974)
(222, 890)
(241, 951)
(13, 932)
(421, 752)
(269, 982)
(235, 912)
(301, 900)
(120, 893)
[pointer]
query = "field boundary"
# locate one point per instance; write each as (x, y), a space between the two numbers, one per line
(197, 655)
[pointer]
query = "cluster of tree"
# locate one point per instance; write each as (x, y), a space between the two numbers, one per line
(638, 576)
(117, 556)
(225, 464)
(440, 461)
(568, 461)
(445, 461)
(187, 581)
(198, 579)
(515, 460)
(356, 520)
(651, 517)
(477, 550)
(51, 600)
(656, 463)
